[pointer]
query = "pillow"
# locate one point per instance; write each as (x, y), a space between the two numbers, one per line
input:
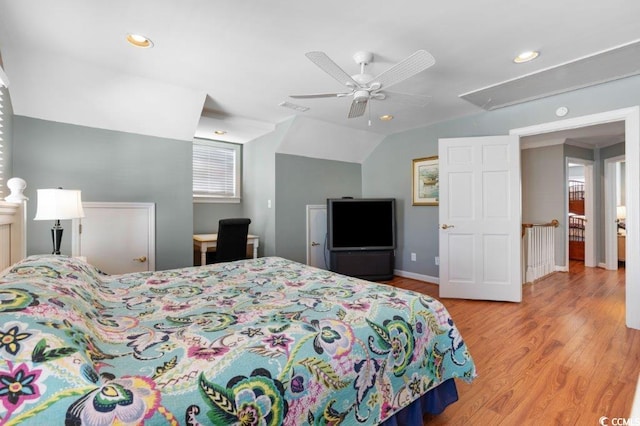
(53, 267)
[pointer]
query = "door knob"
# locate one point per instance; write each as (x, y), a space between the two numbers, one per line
(314, 244)
(141, 259)
(445, 226)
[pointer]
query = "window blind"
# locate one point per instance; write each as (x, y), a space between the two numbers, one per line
(215, 169)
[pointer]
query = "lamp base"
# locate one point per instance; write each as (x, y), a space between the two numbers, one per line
(56, 237)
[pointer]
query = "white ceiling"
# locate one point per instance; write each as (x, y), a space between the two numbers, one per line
(67, 60)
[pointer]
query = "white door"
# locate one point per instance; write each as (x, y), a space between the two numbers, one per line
(480, 218)
(316, 235)
(116, 237)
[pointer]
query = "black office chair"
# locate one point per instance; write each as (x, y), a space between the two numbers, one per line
(232, 240)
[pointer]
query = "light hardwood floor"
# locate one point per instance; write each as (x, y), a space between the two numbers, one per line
(561, 357)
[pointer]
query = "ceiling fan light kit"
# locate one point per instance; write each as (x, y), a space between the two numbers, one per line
(361, 96)
(364, 87)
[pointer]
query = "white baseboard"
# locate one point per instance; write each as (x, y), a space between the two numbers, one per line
(436, 280)
(419, 277)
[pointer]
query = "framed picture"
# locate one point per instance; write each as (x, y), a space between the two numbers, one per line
(425, 181)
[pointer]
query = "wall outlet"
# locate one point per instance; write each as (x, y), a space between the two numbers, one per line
(437, 260)
(268, 204)
(413, 257)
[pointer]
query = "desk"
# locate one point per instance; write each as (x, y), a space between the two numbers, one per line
(206, 241)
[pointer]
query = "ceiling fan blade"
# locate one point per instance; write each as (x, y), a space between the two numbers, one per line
(357, 109)
(319, 95)
(419, 61)
(327, 65)
(408, 98)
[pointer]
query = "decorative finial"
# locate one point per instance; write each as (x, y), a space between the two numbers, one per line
(17, 186)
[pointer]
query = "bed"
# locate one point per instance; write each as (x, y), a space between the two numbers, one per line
(264, 341)
(576, 220)
(576, 236)
(576, 196)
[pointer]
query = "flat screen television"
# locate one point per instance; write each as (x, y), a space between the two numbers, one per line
(361, 224)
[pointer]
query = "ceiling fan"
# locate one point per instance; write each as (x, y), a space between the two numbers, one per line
(364, 87)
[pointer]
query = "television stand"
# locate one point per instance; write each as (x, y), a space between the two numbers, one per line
(373, 265)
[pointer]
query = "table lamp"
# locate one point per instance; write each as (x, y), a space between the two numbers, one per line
(58, 204)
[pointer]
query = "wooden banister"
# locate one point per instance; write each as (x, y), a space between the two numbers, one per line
(555, 223)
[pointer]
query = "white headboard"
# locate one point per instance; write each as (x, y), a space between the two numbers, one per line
(13, 230)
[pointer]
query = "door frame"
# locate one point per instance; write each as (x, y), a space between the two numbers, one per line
(310, 208)
(610, 228)
(76, 241)
(589, 213)
(476, 273)
(631, 118)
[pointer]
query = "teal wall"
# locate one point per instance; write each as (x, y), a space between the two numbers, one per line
(259, 186)
(207, 215)
(108, 166)
(612, 151)
(582, 153)
(543, 191)
(277, 187)
(7, 139)
(116, 166)
(388, 167)
(301, 181)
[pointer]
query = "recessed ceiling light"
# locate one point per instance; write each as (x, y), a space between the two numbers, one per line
(386, 117)
(219, 132)
(139, 40)
(526, 56)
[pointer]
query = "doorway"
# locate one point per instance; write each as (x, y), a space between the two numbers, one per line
(561, 175)
(316, 235)
(615, 212)
(631, 119)
(576, 218)
(582, 223)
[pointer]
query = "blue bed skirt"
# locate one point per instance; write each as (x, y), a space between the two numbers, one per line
(433, 402)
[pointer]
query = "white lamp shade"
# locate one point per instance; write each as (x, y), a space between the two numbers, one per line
(59, 204)
(621, 212)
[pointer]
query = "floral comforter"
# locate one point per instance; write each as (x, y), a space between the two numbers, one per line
(259, 342)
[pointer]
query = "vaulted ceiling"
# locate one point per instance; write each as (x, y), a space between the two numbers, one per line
(228, 65)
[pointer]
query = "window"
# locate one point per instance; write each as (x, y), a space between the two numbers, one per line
(216, 171)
